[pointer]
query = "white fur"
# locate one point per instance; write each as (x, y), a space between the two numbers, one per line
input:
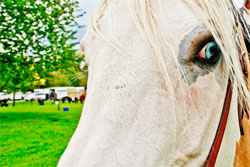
(129, 119)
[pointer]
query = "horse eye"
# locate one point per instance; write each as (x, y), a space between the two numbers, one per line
(210, 53)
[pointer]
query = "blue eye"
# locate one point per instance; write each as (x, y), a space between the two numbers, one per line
(210, 53)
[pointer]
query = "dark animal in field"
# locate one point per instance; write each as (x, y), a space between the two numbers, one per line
(4, 103)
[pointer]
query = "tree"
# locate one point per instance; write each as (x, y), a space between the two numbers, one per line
(36, 37)
(75, 75)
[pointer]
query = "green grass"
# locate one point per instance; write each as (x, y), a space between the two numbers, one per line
(33, 135)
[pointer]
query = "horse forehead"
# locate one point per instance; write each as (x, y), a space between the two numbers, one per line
(177, 19)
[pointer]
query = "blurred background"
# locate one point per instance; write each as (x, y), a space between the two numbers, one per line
(43, 78)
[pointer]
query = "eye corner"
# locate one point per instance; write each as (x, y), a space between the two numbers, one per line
(210, 54)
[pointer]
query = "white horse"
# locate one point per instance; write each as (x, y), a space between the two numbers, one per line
(158, 73)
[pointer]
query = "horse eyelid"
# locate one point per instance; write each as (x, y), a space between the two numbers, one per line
(198, 43)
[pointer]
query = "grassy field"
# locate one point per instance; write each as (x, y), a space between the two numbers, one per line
(33, 135)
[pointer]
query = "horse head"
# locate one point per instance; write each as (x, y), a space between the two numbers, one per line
(158, 76)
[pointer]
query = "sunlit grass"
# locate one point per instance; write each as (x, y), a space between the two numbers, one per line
(33, 135)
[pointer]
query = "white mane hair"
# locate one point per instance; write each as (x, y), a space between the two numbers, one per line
(144, 106)
(219, 16)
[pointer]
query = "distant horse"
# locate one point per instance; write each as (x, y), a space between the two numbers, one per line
(82, 97)
(161, 75)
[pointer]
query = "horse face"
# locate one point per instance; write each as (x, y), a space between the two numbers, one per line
(131, 116)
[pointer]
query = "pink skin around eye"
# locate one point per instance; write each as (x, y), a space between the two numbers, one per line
(201, 54)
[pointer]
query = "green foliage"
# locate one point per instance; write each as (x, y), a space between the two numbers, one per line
(33, 135)
(35, 39)
(67, 79)
(71, 76)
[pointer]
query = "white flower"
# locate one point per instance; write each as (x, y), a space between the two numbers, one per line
(26, 41)
(2, 50)
(39, 2)
(49, 10)
(42, 52)
(19, 36)
(29, 15)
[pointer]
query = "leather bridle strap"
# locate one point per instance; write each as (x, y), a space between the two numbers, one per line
(213, 153)
(242, 108)
(212, 156)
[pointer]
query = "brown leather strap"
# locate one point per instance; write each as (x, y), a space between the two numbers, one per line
(212, 156)
(242, 108)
